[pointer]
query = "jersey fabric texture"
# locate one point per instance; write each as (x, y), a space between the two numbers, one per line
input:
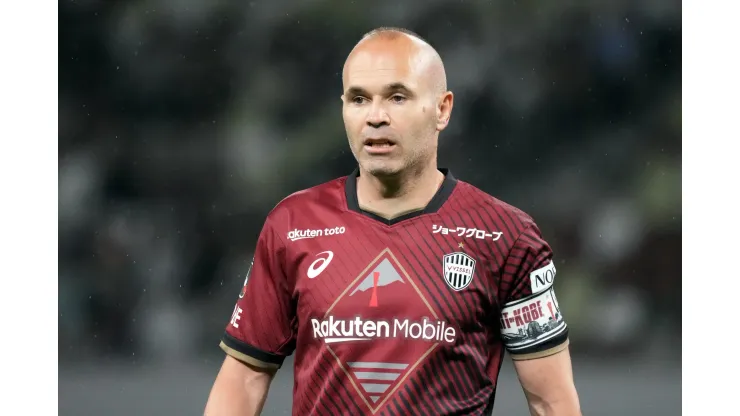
(396, 317)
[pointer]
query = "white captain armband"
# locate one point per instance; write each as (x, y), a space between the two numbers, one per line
(531, 323)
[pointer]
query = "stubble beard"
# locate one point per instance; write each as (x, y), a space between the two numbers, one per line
(410, 162)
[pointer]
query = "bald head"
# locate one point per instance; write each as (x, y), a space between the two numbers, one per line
(394, 102)
(398, 47)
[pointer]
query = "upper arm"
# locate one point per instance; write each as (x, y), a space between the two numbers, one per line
(261, 331)
(531, 323)
(548, 384)
(532, 326)
(240, 389)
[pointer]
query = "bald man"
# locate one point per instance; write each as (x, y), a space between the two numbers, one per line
(398, 287)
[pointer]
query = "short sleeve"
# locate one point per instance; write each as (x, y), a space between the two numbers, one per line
(261, 330)
(531, 323)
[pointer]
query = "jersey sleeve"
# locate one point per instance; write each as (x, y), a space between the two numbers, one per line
(261, 331)
(531, 323)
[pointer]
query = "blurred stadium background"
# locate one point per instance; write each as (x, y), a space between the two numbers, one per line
(182, 123)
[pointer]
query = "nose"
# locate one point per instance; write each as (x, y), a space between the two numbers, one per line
(377, 116)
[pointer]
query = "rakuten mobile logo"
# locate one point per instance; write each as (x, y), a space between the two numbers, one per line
(334, 330)
(309, 233)
(380, 329)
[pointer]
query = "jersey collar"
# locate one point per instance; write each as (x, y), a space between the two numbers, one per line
(443, 193)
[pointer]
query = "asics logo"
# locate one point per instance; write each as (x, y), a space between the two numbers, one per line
(320, 264)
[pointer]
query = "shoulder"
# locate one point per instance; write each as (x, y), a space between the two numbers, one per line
(472, 199)
(327, 195)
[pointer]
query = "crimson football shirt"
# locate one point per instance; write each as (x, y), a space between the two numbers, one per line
(396, 317)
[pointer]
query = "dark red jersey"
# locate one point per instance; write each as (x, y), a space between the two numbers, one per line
(396, 317)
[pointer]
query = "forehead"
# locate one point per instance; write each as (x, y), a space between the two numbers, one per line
(380, 63)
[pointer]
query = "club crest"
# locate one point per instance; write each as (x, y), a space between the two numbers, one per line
(458, 269)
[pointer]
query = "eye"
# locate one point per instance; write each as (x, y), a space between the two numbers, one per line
(398, 99)
(358, 100)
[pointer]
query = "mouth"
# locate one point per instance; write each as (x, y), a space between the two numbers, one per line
(379, 143)
(379, 146)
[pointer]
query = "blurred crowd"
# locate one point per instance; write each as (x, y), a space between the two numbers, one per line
(182, 123)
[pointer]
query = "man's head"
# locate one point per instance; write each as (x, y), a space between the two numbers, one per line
(395, 101)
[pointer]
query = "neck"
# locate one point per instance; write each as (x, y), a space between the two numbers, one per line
(390, 197)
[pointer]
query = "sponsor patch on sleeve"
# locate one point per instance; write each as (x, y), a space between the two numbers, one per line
(542, 278)
(531, 321)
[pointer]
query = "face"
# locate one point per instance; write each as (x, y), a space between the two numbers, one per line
(392, 111)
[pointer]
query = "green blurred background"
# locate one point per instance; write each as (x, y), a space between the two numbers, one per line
(182, 123)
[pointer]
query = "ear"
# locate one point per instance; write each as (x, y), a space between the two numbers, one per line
(444, 110)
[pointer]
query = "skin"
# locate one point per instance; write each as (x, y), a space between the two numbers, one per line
(240, 389)
(548, 385)
(394, 87)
